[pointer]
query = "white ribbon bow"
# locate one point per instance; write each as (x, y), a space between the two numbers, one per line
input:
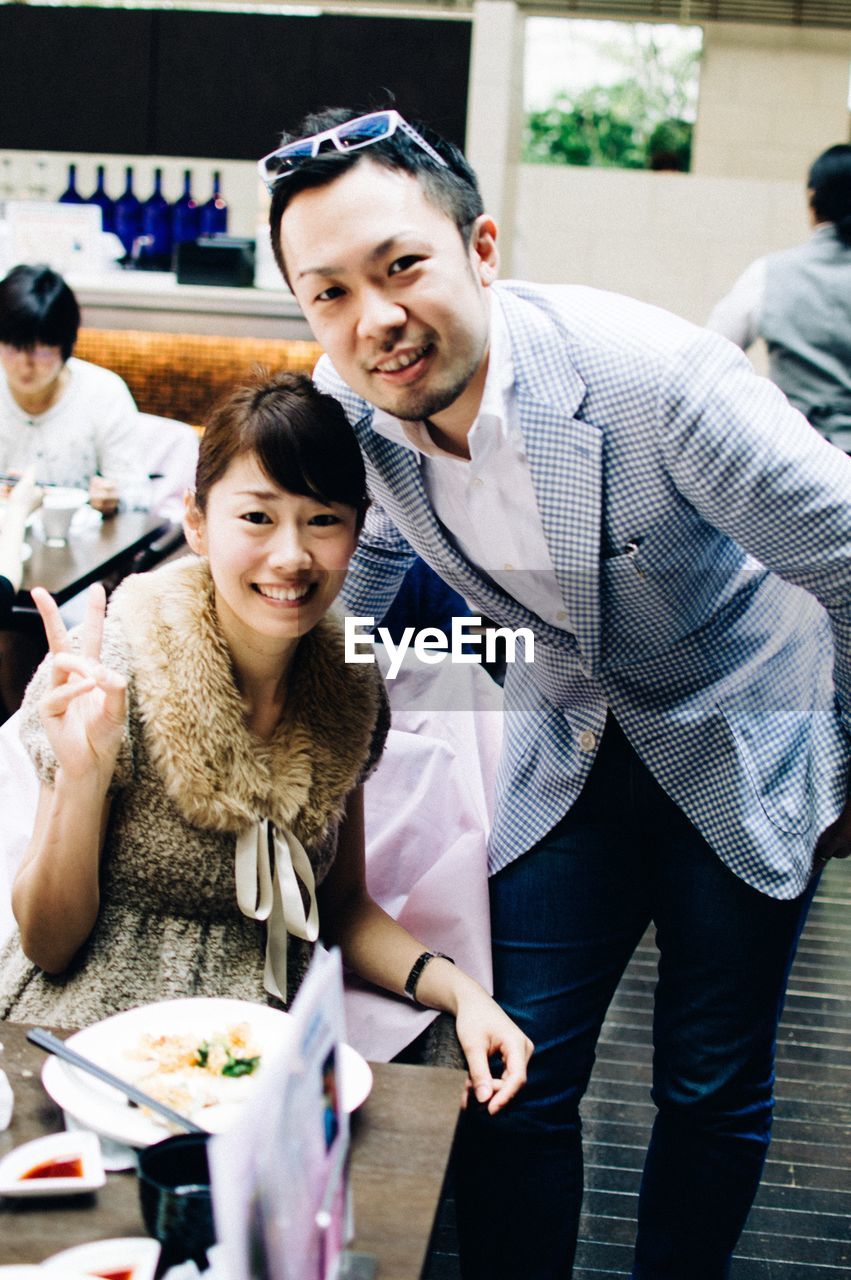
(268, 859)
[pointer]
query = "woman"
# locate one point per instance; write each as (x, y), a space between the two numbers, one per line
(73, 421)
(210, 730)
(799, 302)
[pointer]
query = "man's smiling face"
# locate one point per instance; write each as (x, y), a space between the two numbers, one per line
(392, 293)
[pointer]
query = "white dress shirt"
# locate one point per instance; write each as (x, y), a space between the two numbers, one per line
(487, 503)
(736, 316)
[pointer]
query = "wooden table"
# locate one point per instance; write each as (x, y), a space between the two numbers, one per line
(104, 552)
(401, 1139)
(90, 555)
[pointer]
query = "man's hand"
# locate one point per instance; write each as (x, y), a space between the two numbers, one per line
(103, 495)
(835, 840)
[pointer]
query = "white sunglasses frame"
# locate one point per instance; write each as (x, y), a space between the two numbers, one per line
(395, 121)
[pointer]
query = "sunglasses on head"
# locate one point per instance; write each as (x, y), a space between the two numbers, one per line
(363, 131)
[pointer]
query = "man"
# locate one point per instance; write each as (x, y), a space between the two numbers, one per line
(799, 301)
(623, 484)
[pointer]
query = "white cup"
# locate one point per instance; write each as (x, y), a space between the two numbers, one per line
(57, 512)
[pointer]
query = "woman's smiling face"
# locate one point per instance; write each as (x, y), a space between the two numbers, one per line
(277, 559)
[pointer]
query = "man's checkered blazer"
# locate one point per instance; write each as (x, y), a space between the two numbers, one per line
(685, 505)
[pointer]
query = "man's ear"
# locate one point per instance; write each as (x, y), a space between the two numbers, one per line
(483, 250)
(193, 524)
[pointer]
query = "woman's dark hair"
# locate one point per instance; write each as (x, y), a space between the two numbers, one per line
(829, 182)
(36, 305)
(300, 437)
(453, 188)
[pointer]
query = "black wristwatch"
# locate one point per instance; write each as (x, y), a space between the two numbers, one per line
(417, 969)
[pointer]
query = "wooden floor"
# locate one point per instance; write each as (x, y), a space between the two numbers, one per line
(800, 1225)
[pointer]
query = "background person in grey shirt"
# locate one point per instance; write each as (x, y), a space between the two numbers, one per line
(799, 302)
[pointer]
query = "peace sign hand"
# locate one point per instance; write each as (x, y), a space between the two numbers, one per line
(84, 711)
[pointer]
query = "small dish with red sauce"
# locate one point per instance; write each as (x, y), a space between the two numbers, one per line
(128, 1258)
(60, 1164)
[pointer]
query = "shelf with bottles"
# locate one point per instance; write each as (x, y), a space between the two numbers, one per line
(151, 228)
(227, 194)
(73, 196)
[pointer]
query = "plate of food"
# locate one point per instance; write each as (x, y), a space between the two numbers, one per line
(200, 1056)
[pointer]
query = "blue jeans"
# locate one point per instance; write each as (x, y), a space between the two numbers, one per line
(566, 918)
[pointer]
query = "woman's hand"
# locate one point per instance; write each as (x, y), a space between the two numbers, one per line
(26, 495)
(84, 711)
(484, 1030)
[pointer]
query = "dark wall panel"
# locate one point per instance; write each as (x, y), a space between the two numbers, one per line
(424, 63)
(219, 85)
(75, 79)
(227, 84)
(226, 81)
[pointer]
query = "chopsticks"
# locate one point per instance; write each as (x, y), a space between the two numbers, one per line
(9, 481)
(52, 1044)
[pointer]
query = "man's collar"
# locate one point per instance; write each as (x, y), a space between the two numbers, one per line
(500, 375)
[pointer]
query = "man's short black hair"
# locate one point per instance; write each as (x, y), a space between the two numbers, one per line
(36, 305)
(453, 189)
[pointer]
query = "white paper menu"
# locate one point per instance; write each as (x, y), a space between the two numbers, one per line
(279, 1175)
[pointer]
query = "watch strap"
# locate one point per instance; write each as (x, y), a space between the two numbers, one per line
(417, 970)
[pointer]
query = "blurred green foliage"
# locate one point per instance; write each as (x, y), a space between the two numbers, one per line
(593, 129)
(638, 122)
(599, 127)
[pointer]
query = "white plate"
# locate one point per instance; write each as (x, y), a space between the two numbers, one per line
(107, 1112)
(26, 552)
(55, 1146)
(136, 1254)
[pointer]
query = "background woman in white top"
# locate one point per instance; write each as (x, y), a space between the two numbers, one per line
(73, 422)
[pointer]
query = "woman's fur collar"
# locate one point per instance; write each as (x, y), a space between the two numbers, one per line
(217, 773)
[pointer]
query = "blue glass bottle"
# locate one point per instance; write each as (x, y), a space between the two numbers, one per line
(214, 212)
(71, 195)
(106, 203)
(185, 214)
(128, 214)
(156, 227)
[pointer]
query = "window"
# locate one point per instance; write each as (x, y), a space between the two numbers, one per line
(618, 94)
